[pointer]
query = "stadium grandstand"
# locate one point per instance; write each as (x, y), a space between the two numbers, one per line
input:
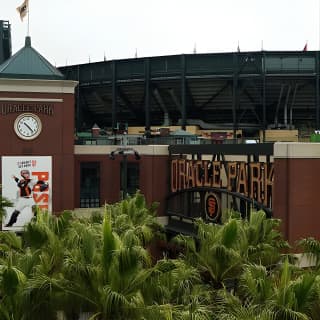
(246, 92)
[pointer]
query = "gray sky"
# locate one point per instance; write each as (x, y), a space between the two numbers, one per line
(71, 31)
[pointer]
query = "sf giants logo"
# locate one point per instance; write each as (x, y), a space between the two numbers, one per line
(212, 206)
(41, 198)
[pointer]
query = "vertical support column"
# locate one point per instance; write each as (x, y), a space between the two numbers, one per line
(147, 94)
(235, 94)
(264, 110)
(78, 110)
(183, 92)
(114, 94)
(317, 92)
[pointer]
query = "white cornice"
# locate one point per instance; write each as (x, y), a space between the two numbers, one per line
(37, 85)
(159, 150)
(297, 150)
(30, 99)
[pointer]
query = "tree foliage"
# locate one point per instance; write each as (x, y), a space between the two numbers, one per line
(101, 268)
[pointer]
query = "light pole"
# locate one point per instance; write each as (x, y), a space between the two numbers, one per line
(124, 152)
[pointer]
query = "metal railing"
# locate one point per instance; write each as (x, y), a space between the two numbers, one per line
(139, 140)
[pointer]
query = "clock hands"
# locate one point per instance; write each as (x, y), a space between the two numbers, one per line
(28, 126)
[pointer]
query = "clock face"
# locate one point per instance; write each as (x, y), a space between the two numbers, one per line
(27, 126)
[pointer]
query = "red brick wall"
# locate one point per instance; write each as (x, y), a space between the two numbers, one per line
(154, 172)
(56, 140)
(296, 197)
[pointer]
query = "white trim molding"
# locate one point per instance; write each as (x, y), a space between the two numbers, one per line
(37, 85)
(296, 150)
(152, 150)
(29, 99)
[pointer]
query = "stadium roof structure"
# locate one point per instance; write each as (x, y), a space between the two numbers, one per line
(237, 90)
(27, 63)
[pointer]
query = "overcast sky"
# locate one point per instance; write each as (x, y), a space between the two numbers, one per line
(74, 31)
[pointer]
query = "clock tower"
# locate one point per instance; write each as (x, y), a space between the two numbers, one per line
(37, 128)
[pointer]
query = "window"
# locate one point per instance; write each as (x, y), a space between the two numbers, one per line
(129, 176)
(90, 185)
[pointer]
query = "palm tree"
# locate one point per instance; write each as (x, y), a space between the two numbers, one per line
(11, 281)
(4, 203)
(77, 265)
(231, 307)
(175, 290)
(221, 251)
(32, 263)
(296, 294)
(133, 220)
(215, 251)
(110, 273)
(285, 293)
(104, 273)
(101, 267)
(264, 242)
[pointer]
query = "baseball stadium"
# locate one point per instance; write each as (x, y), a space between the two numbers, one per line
(198, 133)
(248, 91)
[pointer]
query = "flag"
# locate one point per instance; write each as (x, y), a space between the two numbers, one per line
(23, 9)
(305, 48)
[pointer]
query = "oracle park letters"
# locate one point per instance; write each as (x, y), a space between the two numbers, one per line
(253, 180)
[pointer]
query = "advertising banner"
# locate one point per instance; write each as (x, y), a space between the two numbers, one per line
(26, 182)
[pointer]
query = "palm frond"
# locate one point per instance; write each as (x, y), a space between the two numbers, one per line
(229, 234)
(109, 244)
(11, 279)
(113, 301)
(10, 240)
(256, 284)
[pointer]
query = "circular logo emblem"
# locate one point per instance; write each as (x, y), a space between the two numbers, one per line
(212, 206)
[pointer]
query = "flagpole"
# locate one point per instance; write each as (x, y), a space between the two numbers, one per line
(28, 27)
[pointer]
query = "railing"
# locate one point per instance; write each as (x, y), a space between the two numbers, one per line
(139, 140)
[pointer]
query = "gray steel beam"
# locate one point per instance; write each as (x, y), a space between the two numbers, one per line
(278, 106)
(175, 100)
(126, 101)
(183, 93)
(285, 110)
(235, 99)
(292, 105)
(147, 93)
(114, 95)
(264, 105)
(158, 97)
(317, 91)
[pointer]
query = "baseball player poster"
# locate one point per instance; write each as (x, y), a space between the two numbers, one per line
(26, 182)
